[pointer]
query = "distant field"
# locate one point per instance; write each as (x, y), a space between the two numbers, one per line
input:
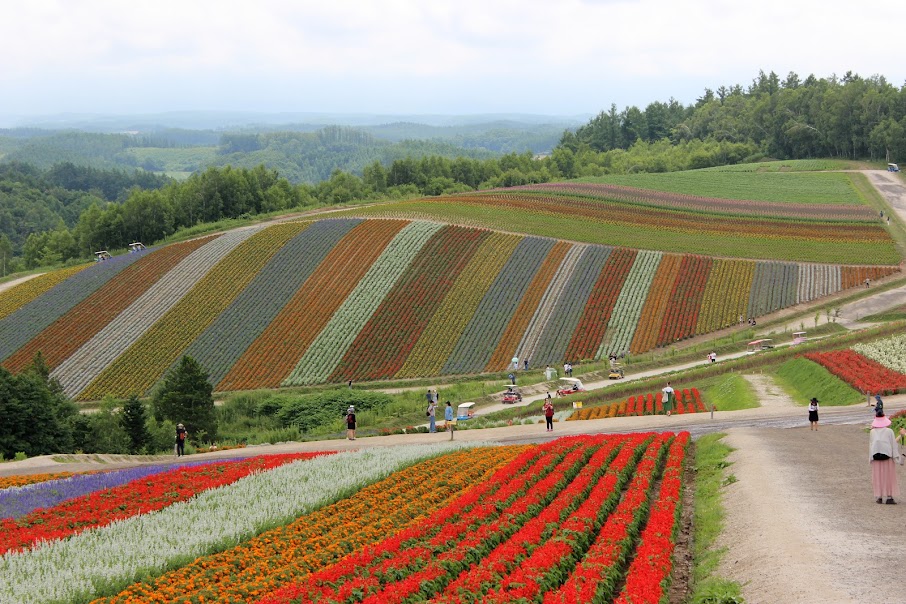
(793, 165)
(768, 225)
(174, 159)
(790, 187)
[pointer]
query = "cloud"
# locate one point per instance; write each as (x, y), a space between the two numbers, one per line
(507, 55)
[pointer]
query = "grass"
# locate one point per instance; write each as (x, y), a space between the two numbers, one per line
(804, 379)
(796, 187)
(637, 236)
(795, 165)
(894, 314)
(710, 477)
(728, 392)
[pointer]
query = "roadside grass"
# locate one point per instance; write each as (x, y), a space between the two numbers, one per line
(894, 314)
(711, 475)
(803, 379)
(728, 392)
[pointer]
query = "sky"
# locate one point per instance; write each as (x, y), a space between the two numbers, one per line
(552, 57)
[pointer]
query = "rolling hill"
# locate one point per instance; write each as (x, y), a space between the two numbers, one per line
(364, 299)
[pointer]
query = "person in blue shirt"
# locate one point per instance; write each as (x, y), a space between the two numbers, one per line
(448, 416)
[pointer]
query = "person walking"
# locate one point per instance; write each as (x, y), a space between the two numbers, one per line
(181, 436)
(882, 453)
(879, 404)
(813, 414)
(548, 409)
(432, 414)
(525, 364)
(512, 377)
(668, 399)
(448, 417)
(350, 423)
(515, 362)
(712, 357)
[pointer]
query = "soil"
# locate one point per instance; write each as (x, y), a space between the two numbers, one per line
(801, 523)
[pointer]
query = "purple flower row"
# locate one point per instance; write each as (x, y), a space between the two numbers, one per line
(18, 501)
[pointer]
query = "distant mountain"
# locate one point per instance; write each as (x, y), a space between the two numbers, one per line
(231, 120)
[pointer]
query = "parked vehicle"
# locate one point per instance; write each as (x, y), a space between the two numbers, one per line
(799, 337)
(759, 345)
(893, 168)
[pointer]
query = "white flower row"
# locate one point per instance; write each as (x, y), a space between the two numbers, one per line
(84, 565)
(890, 352)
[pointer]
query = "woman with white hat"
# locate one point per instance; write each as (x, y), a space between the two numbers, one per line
(882, 453)
(350, 423)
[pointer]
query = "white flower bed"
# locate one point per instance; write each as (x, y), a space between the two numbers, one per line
(890, 352)
(78, 567)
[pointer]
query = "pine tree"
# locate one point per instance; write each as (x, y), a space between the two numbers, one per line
(133, 422)
(185, 397)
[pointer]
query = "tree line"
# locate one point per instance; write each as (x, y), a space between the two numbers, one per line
(849, 117)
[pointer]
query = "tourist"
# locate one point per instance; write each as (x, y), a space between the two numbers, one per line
(448, 417)
(813, 414)
(350, 423)
(548, 409)
(432, 414)
(512, 377)
(668, 398)
(882, 453)
(879, 404)
(181, 436)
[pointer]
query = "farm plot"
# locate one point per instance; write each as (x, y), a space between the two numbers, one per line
(78, 370)
(146, 360)
(272, 356)
(30, 319)
(568, 308)
(211, 521)
(548, 304)
(224, 341)
(68, 333)
(629, 305)
(479, 339)
(524, 313)
(329, 347)
(862, 373)
(589, 333)
(381, 348)
(688, 400)
(316, 540)
(890, 352)
(569, 522)
(20, 295)
(840, 229)
(449, 321)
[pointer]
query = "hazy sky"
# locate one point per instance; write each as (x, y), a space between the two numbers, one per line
(420, 56)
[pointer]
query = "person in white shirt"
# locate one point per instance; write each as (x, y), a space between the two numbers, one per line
(883, 451)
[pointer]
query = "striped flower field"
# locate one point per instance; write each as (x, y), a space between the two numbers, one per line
(443, 523)
(349, 299)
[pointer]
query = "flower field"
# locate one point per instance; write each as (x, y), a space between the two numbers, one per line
(349, 299)
(688, 400)
(139, 496)
(568, 519)
(578, 519)
(890, 352)
(213, 520)
(31, 289)
(840, 227)
(861, 372)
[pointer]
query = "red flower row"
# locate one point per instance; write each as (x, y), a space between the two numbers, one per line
(860, 372)
(140, 496)
(649, 572)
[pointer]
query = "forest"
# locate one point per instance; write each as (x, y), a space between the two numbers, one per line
(54, 210)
